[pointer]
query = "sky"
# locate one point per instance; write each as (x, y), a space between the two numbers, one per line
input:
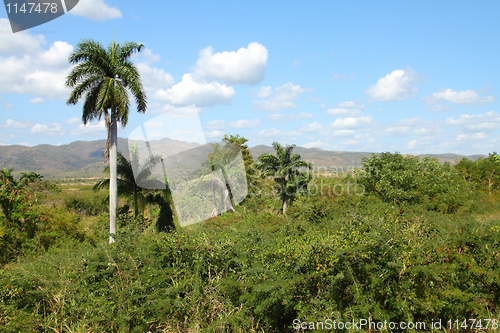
(408, 76)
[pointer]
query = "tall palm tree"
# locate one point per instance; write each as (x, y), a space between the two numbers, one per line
(285, 168)
(105, 77)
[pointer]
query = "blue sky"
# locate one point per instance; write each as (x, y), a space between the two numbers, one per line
(414, 77)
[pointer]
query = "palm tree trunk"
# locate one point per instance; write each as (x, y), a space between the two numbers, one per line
(113, 191)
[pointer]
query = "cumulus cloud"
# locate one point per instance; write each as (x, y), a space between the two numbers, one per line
(284, 98)
(146, 55)
(245, 66)
(273, 133)
(53, 129)
(243, 123)
(351, 121)
(154, 79)
(90, 129)
(343, 133)
(265, 92)
(312, 127)
(18, 43)
(316, 144)
(395, 86)
(189, 91)
(457, 97)
(215, 134)
(279, 118)
(73, 121)
(96, 10)
(477, 122)
(347, 108)
(36, 100)
(215, 125)
(9, 123)
(37, 71)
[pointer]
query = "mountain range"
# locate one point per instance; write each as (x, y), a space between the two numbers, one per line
(85, 158)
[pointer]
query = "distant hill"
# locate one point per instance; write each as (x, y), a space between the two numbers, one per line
(85, 158)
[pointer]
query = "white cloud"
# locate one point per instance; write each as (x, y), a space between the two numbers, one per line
(351, 121)
(96, 10)
(265, 92)
(347, 108)
(458, 97)
(394, 131)
(215, 134)
(343, 133)
(189, 91)
(18, 43)
(215, 125)
(147, 56)
(90, 129)
(277, 134)
(477, 122)
(154, 79)
(53, 129)
(9, 123)
(283, 98)
(32, 69)
(312, 127)
(73, 121)
(243, 123)
(396, 86)
(245, 66)
(316, 144)
(36, 100)
(278, 117)
(411, 145)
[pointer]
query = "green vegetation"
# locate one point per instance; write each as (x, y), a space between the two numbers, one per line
(404, 240)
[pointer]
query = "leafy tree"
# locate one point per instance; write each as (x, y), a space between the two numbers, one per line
(7, 176)
(127, 184)
(484, 173)
(223, 156)
(397, 178)
(393, 176)
(18, 206)
(240, 142)
(285, 168)
(105, 77)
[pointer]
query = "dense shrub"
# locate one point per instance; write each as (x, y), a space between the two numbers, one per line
(397, 178)
(91, 204)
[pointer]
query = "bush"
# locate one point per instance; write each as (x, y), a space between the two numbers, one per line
(397, 178)
(90, 204)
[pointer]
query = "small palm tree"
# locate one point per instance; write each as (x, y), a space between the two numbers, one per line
(285, 169)
(127, 184)
(104, 78)
(30, 177)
